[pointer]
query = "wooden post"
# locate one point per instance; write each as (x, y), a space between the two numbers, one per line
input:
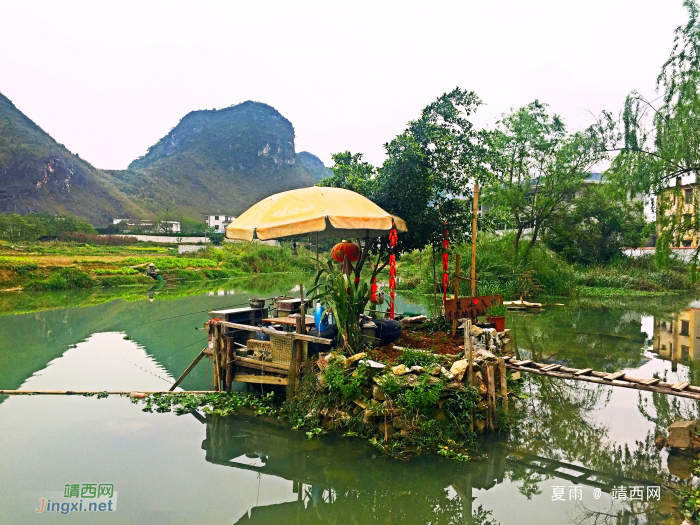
(187, 370)
(296, 357)
(490, 394)
(216, 351)
(454, 321)
(317, 263)
(502, 378)
(229, 365)
(474, 228)
(468, 350)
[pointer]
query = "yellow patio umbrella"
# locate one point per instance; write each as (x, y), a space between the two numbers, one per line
(329, 212)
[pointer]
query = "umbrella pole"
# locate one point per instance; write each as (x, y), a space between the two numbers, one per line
(317, 251)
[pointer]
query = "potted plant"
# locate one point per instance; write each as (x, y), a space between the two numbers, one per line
(497, 315)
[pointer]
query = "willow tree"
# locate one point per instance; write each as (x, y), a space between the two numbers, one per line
(657, 144)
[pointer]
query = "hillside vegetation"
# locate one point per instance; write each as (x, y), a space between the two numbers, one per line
(212, 161)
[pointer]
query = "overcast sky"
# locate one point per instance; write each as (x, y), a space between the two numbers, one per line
(108, 79)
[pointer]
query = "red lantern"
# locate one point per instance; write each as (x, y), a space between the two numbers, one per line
(345, 248)
(374, 289)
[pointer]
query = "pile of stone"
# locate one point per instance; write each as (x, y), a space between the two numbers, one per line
(489, 339)
(378, 411)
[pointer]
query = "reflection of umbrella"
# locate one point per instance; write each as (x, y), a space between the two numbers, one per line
(330, 212)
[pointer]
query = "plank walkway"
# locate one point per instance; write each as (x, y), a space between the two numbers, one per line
(621, 379)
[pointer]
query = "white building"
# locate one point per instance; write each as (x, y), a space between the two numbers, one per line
(148, 225)
(219, 222)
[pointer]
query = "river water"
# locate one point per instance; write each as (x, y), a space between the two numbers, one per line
(569, 442)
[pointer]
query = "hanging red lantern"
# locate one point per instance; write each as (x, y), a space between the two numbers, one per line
(345, 248)
(393, 239)
(374, 288)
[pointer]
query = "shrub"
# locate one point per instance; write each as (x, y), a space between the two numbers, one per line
(344, 384)
(410, 357)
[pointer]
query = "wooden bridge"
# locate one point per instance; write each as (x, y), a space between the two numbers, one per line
(620, 379)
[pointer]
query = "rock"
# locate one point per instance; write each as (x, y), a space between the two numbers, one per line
(476, 331)
(681, 433)
(418, 319)
(515, 376)
(446, 374)
(354, 359)
(400, 370)
(681, 464)
(386, 429)
(412, 379)
(417, 369)
(458, 369)
(342, 417)
(433, 370)
(377, 393)
(373, 367)
(660, 442)
(360, 403)
(321, 378)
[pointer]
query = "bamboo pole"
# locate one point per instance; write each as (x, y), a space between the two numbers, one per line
(291, 335)
(474, 228)
(187, 370)
(454, 321)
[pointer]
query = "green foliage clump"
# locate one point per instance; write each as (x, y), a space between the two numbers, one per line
(421, 397)
(344, 384)
(411, 357)
(217, 403)
(64, 279)
(24, 269)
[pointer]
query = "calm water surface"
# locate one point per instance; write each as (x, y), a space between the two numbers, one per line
(187, 469)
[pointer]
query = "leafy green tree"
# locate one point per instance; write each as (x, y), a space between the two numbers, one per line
(657, 144)
(536, 167)
(599, 222)
(352, 173)
(425, 179)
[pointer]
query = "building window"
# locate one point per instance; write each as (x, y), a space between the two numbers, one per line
(689, 196)
(216, 217)
(685, 328)
(687, 244)
(685, 352)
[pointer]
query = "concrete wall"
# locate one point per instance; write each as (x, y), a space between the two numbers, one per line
(684, 254)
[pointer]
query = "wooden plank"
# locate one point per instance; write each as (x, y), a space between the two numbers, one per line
(503, 381)
(267, 380)
(551, 367)
(651, 381)
(291, 335)
(616, 375)
(187, 370)
(584, 372)
(261, 365)
(92, 392)
(523, 363)
(681, 385)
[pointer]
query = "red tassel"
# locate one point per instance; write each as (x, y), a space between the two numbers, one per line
(391, 305)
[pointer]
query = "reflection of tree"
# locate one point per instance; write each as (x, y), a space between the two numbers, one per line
(662, 410)
(602, 339)
(558, 422)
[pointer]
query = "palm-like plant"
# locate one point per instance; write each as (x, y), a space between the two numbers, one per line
(347, 301)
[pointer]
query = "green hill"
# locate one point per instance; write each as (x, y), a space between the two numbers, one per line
(225, 159)
(213, 160)
(314, 165)
(38, 174)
